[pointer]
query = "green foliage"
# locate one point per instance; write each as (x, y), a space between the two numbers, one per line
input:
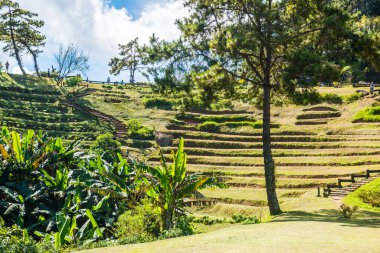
(73, 81)
(371, 197)
(312, 97)
(16, 240)
(137, 131)
(107, 147)
(170, 184)
(141, 223)
(209, 126)
(160, 103)
(353, 97)
(244, 219)
(369, 114)
(130, 59)
(108, 87)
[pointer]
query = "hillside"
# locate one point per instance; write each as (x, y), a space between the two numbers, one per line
(312, 145)
(33, 103)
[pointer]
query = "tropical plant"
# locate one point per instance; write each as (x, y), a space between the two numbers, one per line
(107, 147)
(170, 184)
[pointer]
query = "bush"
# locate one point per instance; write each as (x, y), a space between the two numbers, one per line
(306, 97)
(106, 146)
(160, 103)
(209, 126)
(73, 81)
(143, 222)
(369, 114)
(244, 219)
(353, 97)
(138, 131)
(16, 240)
(108, 87)
(348, 211)
(331, 99)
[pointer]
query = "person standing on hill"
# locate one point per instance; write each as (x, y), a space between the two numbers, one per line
(7, 67)
(371, 88)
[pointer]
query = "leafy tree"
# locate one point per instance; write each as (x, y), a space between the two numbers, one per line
(19, 32)
(69, 60)
(130, 59)
(170, 184)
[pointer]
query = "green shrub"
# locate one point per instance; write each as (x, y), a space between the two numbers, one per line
(138, 131)
(16, 240)
(244, 219)
(108, 87)
(369, 114)
(106, 146)
(209, 126)
(331, 99)
(353, 97)
(143, 222)
(73, 81)
(306, 97)
(160, 103)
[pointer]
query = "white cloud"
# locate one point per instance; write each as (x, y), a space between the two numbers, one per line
(98, 28)
(17, 70)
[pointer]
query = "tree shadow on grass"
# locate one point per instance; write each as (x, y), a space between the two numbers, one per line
(362, 219)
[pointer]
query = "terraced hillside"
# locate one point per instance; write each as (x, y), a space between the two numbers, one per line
(39, 107)
(228, 143)
(305, 157)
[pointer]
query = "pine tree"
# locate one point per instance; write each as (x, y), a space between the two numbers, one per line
(19, 32)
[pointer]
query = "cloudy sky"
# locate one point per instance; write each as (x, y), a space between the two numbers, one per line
(98, 26)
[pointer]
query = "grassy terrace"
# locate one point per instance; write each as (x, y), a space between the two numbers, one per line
(33, 103)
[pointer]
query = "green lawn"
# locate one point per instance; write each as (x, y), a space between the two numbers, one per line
(320, 230)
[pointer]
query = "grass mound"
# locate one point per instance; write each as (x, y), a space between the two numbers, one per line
(369, 114)
(366, 197)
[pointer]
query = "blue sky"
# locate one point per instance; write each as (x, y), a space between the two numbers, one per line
(134, 7)
(98, 26)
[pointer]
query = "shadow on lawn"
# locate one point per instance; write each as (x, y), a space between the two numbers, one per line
(361, 219)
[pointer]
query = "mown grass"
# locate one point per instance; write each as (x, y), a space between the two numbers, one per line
(354, 198)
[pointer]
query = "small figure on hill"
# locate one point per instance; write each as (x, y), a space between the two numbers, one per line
(48, 73)
(7, 67)
(122, 82)
(371, 88)
(108, 80)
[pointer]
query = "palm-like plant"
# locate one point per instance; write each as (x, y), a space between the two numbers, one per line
(170, 184)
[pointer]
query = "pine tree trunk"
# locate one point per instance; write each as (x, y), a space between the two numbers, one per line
(15, 48)
(270, 177)
(35, 64)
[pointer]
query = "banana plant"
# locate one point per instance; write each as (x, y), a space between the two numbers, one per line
(170, 184)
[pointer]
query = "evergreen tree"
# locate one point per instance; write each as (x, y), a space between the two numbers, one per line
(19, 32)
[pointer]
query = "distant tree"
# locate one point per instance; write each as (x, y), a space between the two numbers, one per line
(129, 60)
(69, 60)
(19, 32)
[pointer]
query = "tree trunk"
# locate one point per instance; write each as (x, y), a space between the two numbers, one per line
(35, 64)
(15, 48)
(167, 218)
(270, 177)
